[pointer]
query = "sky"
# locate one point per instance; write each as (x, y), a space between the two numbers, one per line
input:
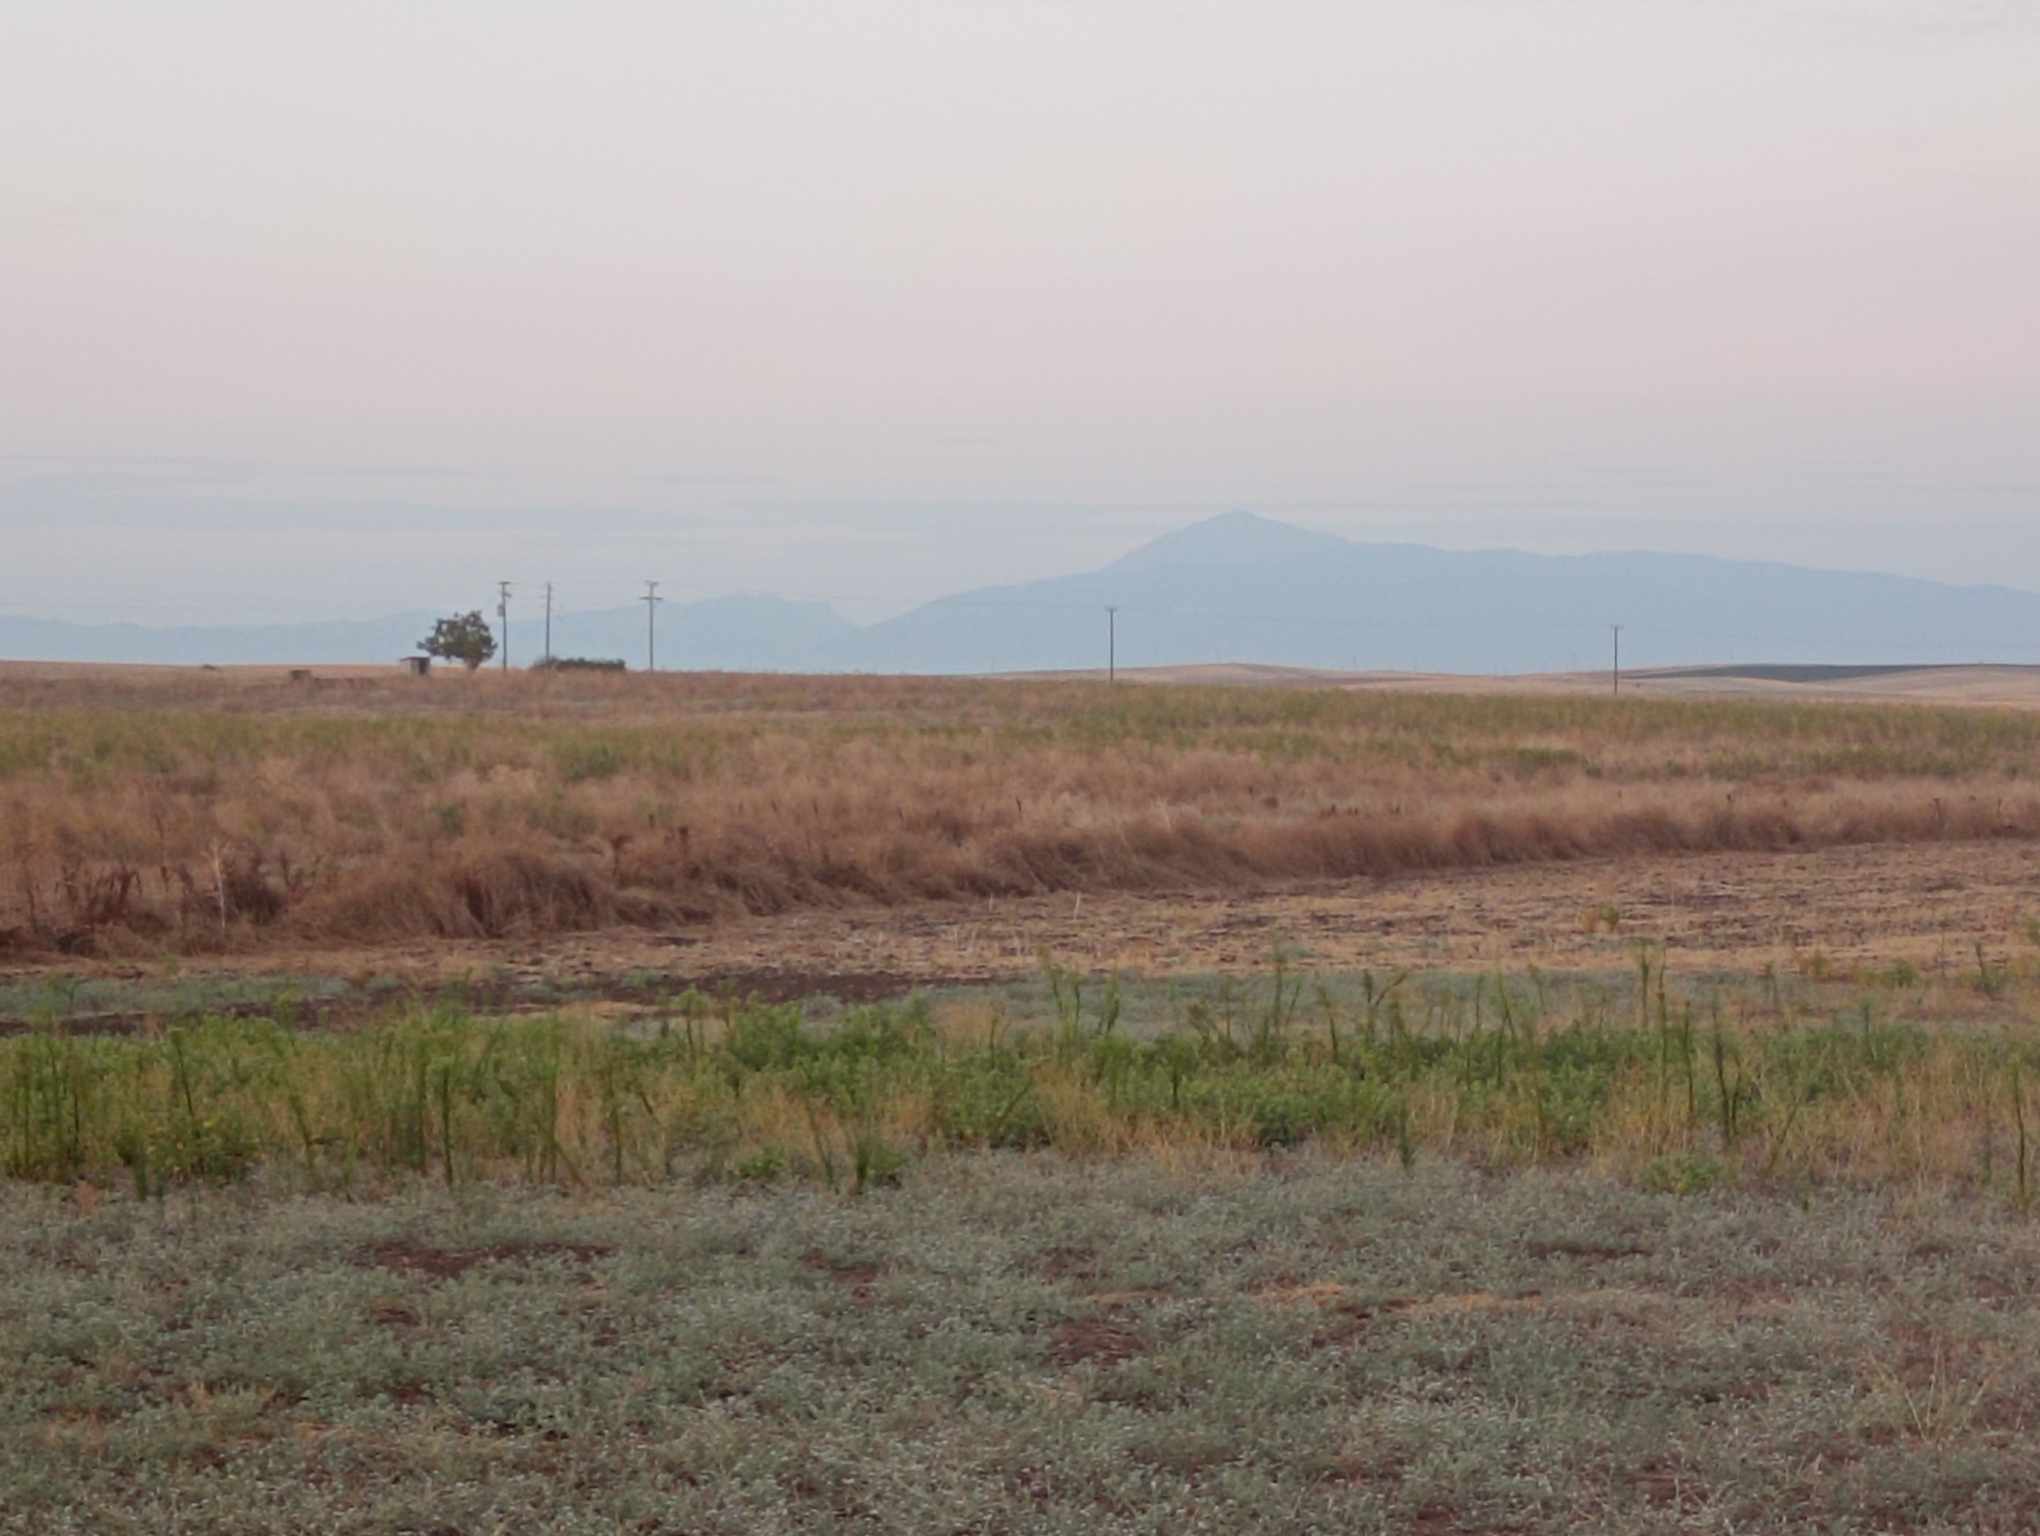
(339, 310)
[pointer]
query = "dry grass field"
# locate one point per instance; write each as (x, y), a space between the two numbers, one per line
(757, 1104)
(180, 812)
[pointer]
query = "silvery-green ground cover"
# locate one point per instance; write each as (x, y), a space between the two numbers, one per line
(1014, 1342)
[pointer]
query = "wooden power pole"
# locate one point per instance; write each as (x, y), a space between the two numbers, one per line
(651, 600)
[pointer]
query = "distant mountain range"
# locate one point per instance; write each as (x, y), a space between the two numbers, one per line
(1232, 588)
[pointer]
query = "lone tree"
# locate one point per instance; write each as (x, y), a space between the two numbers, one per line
(464, 637)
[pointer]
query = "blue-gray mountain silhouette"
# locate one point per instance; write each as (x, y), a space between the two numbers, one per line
(1244, 588)
(1232, 588)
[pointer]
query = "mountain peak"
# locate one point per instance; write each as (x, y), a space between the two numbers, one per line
(1231, 539)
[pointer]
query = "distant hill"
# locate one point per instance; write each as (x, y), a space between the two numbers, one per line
(1244, 588)
(1235, 588)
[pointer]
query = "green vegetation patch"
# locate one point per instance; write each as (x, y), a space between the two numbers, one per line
(1673, 1093)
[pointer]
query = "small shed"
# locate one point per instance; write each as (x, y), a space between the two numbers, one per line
(418, 666)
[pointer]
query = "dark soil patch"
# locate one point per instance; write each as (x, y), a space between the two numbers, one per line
(536, 993)
(111, 1025)
(773, 985)
(1813, 673)
(1663, 1486)
(1117, 1301)
(1348, 1322)
(849, 1272)
(1362, 1472)
(406, 1257)
(1190, 1457)
(1094, 1339)
(1065, 1263)
(135, 1021)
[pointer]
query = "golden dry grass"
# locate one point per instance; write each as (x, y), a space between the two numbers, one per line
(194, 810)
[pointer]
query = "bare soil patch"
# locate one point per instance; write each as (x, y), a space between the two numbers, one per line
(857, 1276)
(1062, 1262)
(1593, 1252)
(525, 988)
(407, 1257)
(1095, 1340)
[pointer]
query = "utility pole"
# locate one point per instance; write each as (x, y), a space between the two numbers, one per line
(1616, 675)
(503, 615)
(1111, 644)
(651, 600)
(548, 622)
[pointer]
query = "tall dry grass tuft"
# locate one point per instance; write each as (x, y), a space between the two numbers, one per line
(218, 811)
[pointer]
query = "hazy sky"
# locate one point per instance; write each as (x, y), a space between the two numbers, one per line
(345, 308)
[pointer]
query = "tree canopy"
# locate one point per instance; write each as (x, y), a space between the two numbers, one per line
(462, 637)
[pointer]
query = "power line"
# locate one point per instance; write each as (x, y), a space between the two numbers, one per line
(1616, 675)
(548, 622)
(1111, 643)
(503, 615)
